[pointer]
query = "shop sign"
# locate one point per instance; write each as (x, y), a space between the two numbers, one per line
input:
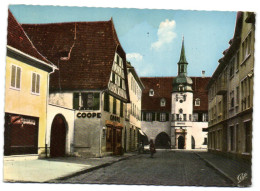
(88, 115)
(114, 118)
(22, 121)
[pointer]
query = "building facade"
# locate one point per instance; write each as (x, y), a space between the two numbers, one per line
(231, 93)
(91, 84)
(133, 134)
(174, 109)
(26, 94)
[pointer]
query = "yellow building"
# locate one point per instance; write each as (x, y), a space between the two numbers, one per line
(231, 93)
(26, 92)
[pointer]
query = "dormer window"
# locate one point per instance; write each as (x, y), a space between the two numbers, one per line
(197, 102)
(181, 87)
(163, 102)
(151, 92)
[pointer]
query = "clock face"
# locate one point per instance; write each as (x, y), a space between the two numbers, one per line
(181, 97)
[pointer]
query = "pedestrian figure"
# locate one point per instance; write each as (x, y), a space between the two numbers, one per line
(152, 148)
(140, 148)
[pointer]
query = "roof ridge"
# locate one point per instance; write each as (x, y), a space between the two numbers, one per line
(32, 45)
(69, 22)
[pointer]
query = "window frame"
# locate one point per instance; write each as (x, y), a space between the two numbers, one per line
(151, 92)
(37, 74)
(15, 80)
(197, 102)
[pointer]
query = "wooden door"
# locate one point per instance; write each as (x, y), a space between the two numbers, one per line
(58, 137)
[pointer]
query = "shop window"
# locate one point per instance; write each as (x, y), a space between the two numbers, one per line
(16, 77)
(90, 101)
(248, 136)
(35, 83)
(231, 138)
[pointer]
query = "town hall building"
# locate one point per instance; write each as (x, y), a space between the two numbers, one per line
(175, 109)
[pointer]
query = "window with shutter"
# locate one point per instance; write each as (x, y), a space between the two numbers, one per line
(96, 103)
(75, 100)
(114, 106)
(106, 102)
(121, 109)
(16, 77)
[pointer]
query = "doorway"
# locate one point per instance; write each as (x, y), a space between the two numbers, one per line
(58, 137)
(180, 142)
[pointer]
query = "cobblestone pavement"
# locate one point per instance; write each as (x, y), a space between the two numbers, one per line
(166, 168)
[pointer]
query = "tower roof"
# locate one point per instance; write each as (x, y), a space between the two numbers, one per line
(182, 56)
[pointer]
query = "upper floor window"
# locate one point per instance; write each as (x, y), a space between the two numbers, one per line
(163, 102)
(90, 101)
(35, 83)
(246, 46)
(197, 102)
(151, 92)
(162, 116)
(149, 117)
(114, 106)
(16, 77)
(231, 69)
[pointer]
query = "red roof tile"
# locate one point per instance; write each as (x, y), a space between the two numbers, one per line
(17, 38)
(92, 46)
(162, 87)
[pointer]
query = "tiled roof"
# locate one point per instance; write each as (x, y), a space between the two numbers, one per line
(162, 87)
(17, 38)
(90, 46)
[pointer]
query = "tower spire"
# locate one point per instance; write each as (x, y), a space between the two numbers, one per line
(182, 56)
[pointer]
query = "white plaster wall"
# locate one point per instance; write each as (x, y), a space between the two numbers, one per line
(68, 114)
(152, 129)
(186, 106)
(64, 99)
(198, 134)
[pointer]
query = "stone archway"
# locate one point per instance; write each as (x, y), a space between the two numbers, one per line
(163, 141)
(58, 136)
(181, 142)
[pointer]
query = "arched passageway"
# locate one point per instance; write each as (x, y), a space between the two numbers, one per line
(163, 141)
(180, 142)
(192, 142)
(58, 137)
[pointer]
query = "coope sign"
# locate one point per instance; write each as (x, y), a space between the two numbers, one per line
(88, 115)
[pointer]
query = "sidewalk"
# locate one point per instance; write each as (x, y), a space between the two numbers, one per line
(237, 171)
(50, 169)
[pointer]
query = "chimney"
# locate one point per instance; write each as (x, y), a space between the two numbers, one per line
(203, 73)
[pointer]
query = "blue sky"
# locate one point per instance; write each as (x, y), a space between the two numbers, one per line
(152, 38)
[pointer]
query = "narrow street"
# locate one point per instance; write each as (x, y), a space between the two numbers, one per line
(166, 168)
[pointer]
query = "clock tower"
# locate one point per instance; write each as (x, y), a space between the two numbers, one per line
(182, 105)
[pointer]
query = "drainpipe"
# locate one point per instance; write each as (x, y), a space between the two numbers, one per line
(101, 125)
(47, 103)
